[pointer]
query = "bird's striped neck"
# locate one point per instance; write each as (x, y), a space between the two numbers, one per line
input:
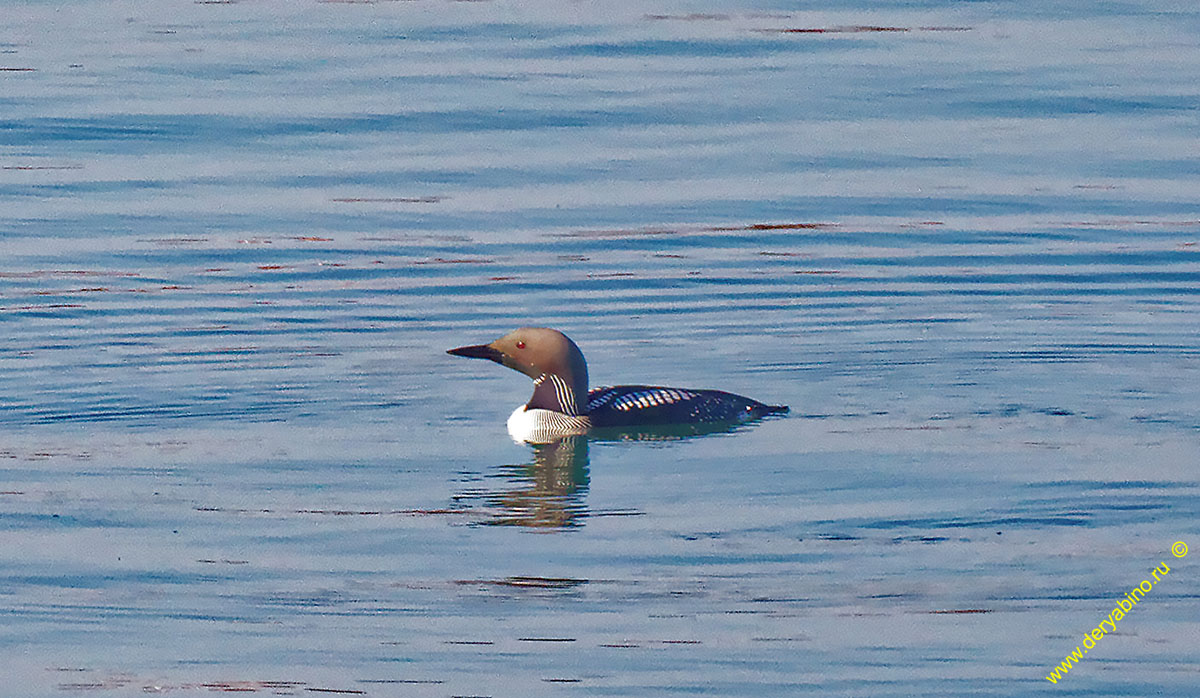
(551, 392)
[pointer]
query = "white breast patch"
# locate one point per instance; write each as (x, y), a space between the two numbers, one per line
(538, 426)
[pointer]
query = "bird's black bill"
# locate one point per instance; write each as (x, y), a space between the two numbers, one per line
(479, 351)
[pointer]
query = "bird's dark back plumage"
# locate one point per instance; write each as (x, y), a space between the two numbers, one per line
(632, 405)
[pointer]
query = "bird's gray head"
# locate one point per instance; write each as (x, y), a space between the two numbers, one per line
(547, 356)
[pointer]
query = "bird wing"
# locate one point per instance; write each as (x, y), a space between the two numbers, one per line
(631, 405)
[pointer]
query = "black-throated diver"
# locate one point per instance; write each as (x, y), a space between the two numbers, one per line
(562, 405)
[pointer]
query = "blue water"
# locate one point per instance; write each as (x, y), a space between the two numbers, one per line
(961, 240)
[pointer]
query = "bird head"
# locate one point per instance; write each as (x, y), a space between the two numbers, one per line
(544, 355)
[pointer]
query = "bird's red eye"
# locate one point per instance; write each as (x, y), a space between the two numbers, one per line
(520, 345)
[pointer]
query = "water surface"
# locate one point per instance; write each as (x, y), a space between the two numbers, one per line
(960, 240)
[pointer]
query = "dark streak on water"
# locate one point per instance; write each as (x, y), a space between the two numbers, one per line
(961, 241)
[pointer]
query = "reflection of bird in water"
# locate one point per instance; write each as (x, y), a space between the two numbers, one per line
(550, 491)
(562, 405)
